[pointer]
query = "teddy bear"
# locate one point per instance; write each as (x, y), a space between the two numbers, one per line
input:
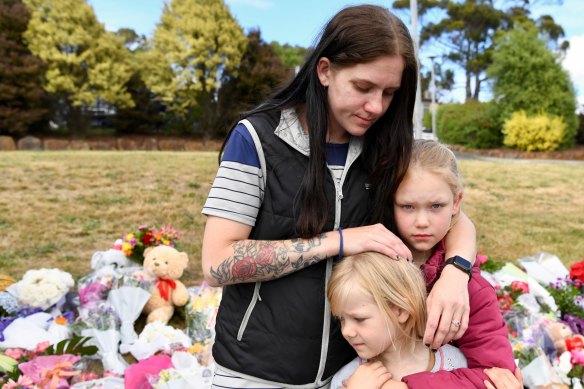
(564, 338)
(167, 264)
(110, 260)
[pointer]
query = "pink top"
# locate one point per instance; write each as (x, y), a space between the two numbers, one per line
(485, 343)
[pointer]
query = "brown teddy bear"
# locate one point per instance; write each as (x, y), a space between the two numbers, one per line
(168, 265)
(563, 337)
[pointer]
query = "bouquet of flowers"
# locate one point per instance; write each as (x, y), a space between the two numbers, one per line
(155, 337)
(134, 243)
(94, 288)
(101, 324)
(568, 293)
(129, 294)
(42, 288)
(186, 373)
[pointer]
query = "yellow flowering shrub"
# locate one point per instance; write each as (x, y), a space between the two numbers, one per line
(534, 133)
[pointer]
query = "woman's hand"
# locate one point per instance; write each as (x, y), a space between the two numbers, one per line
(376, 238)
(448, 308)
(503, 379)
(370, 375)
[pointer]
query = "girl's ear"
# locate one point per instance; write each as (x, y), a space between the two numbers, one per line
(323, 69)
(401, 315)
(457, 201)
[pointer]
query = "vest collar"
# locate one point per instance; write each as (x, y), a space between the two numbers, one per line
(291, 132)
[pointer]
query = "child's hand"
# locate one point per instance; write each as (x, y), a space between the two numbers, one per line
(503, 379)
(370, 375)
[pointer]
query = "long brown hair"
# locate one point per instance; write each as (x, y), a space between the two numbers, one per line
(355, 35)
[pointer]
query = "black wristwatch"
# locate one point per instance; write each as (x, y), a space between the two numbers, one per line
(460, 263)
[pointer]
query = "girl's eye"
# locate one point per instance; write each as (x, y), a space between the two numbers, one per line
(388, 93)
(407, 206)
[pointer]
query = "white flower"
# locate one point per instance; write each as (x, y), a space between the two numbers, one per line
(42, 288)
(156, 330)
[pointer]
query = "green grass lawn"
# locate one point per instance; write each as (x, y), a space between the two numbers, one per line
(58, 208)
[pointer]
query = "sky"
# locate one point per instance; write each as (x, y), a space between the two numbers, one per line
(298, 22)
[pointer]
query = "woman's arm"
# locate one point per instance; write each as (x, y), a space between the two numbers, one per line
(462, 239)
(229, 257)
(448, 300)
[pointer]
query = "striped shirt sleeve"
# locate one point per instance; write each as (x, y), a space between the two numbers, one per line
(238, 189)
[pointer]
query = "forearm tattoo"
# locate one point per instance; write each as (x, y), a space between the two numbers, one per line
(254, 260)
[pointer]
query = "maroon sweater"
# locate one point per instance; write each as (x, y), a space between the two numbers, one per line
(485, 343)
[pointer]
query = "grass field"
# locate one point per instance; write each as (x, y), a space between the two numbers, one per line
(58, 208)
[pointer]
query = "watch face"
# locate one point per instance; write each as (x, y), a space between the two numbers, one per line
(463, 263)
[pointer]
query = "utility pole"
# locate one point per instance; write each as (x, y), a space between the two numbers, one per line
(433, 93)
(418, 107)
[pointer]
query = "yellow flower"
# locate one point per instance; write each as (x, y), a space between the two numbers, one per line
(196, 348)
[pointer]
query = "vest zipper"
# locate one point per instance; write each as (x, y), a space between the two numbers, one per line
(251, 306)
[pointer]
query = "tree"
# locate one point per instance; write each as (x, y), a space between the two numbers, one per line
(147, 114)
(290, 56)
(194, 43)
(467, 31)
(260, 72)
(528, 76)
(85, 64)
(23, 100)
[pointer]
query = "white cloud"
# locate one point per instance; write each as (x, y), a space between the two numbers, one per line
(573, 64)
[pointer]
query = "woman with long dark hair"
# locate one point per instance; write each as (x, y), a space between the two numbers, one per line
(304, 178)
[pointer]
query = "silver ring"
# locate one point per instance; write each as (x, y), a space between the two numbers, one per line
(456, 323)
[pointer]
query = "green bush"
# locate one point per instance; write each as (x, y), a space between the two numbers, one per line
(534, 133)
(473, 125)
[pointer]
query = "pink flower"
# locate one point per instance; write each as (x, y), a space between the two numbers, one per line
(41, 347)
(482, 258)
(14, 353)
(23, 381)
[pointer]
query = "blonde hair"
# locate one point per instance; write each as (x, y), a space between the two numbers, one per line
(437, 158)
(390, 283)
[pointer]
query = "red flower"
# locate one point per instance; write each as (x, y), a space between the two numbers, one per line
(244, 268)
(147, 239)
(505, 303)
(265, 256)
(577, 271)
(520, 286)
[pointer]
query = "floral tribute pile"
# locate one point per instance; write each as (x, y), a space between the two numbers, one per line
(543, 306)
(56, 332)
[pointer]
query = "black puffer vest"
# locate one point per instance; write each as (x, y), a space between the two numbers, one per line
(281, 331)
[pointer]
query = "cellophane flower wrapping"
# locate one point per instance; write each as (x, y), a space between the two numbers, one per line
(130, 292)
(42, 288)
(155, 337)
(25, 330)
(140, 374)
(94, 288)
(101, 323)
(186, 373)
(201, 312)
